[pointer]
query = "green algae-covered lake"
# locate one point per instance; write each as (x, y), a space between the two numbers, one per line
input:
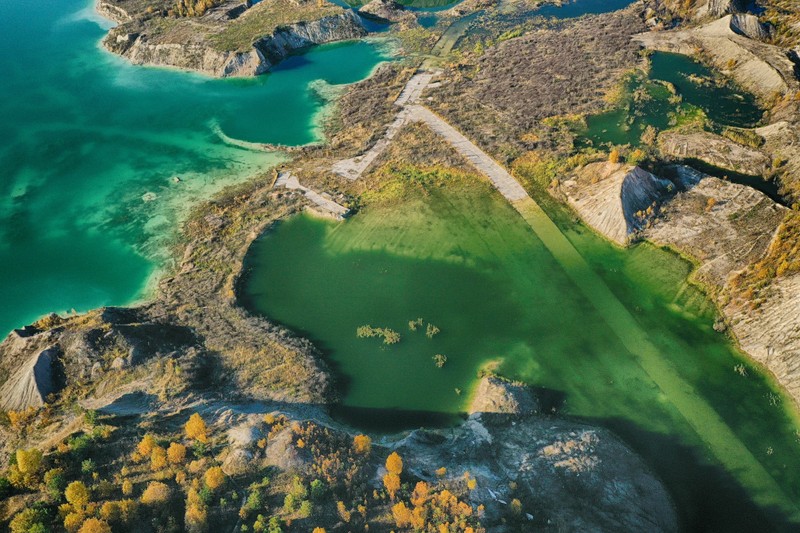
(90, 147)
(464, 260)
(676, 90)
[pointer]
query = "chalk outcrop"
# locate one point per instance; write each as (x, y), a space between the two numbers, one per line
(616, 200)
(548, 461)
(32, 383)
(714, 150)
(196, 53)
(763, 69)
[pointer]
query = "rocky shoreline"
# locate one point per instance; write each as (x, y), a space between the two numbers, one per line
(145, 39)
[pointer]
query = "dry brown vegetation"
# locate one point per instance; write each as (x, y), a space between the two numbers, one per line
(782, 259)
(498, 97)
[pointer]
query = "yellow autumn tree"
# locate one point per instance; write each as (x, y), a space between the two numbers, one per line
(318, 530)
(77, 495)
(127, 487)
(613, 156)
(394, 463)
(72, 522)
(93, 525)
(392, 483)
(196, 428)
(402, 515)
(146, 445)
(29, 462)
(362, 444)
(176, 453)
(214, 477)
(196, 516)
(156, 493)
(158, 458)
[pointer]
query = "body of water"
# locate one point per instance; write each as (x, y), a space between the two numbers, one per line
(99, 159)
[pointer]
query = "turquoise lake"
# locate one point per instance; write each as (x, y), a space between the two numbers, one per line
(90, 147)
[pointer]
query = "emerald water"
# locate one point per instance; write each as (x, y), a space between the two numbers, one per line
(464, 260)
(648, 102)
(90, 146)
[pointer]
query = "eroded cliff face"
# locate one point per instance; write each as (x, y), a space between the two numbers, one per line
(196, 52)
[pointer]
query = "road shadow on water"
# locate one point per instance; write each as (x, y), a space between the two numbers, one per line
(708, 499)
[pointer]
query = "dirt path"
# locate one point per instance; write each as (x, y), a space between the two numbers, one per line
(322, 203)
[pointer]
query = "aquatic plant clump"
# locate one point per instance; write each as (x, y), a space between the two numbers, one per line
(431, 331)
(389, 335)
(439, 360)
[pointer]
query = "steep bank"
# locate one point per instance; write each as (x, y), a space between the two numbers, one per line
(226, 43)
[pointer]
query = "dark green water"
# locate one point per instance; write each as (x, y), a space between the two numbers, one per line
(86, 136)
(647, 102)
(466, 262)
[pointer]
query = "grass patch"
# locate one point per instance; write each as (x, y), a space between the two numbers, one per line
(266, 17)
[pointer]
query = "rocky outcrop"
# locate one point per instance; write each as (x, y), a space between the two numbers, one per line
(43, 359)
(714, 150)
(725, 226)
(32, 383)
(112, 12)
(578, 477)
(499, 396)
(749, 26)
(763, 69)
(717, 8)
(196, 52)
(771, 333)
(616, 200)
(389, 11)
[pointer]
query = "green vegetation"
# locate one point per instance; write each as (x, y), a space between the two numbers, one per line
(194, 8)
(744, 137)
(389, 335)
(266, 17)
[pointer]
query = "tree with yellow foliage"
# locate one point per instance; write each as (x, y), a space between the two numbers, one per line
(29, 462)
(110, 511)
(318, 530)
(394, 463)
(146, 445)
(127, 487)
(214, 478)
(77, 495)
(196, 428)
(392, 483)
(402, 515)
(156, 493)
(73, 521)
(196, 516)
(25, 473)
(158, 458)
(93, 525)
(362, 444)
(176, 453)
(613, 156)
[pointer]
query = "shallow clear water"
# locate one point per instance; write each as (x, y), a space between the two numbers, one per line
(722, 103)
(89, 146)
(466, 262)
